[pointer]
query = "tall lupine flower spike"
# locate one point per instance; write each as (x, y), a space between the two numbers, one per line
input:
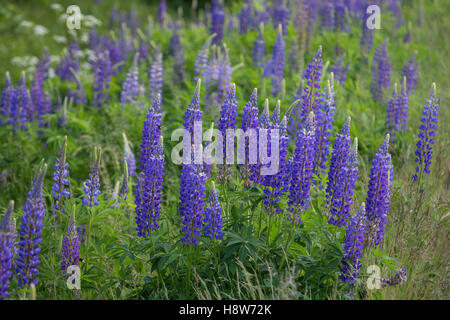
(7, 238)
(301, 169)
(213, 216)
(30, 234)
(224, 76)
(278, 57)
(428, 126)
(156, 75)
(366, 35)
(123, 193)
(79, 95)
(217, 22)
(70, 252)
(325, 120)
(379, 194)
(310, 99)
(342, 201)
(381, 72)
(128, 156)
(201, 60)
(393, 112)
(354, 245)
(339, 70)
(259, 48)
(410, 72)
(249, 122)
(130, 88)
(263, 123)
(60, 180)
(23, 103)
(150, 181)
(162, 11)
(8, 102)
(275, 118)
(92, 185)
(245, 17)
(404, 105)
(101, 79)
(70, 61)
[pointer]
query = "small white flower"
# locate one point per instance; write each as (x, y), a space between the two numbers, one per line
(90, 21)
(26, 24)
(40, 30)
(60, 39)
(84, 37)
(56, 7)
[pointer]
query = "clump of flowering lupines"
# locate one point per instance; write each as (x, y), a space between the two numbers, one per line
(228, 115)
(68, 63)
(30, 234)
(428, 126)
(379, 194)
(354, 245)
(301, 168)
(7, 238)
(70, 252)
(130, 88)
(342, 201)
(128, 156)
(324, 124)
(92, 185)
(156, 75)
(60, 180)
(410, 72)
(102, 77)
(149, 182)
(381, 72)
(310, 99)
(249, 121)
(278, 62)
(8, 103)
(213, 216)
(259, 48)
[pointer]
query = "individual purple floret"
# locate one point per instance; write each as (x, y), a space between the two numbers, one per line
(324, 124)
(92, 185)
(379, 194)
(213, 216)
(259, 48)
(150, 181)
(70, 252)
(30, 234)
(60, 180)
(310, 99)
(102, 78)
(342, 200)
(353, 247)
(428, 126)
(381, 72)
(128, 156)
(130, 88)
(301, 169)
(156, 75)
(278, 57)
(410, 72)
(7, 238)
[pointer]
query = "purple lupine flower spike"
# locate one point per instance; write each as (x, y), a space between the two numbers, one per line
(162, 11)
(128, 156)
(339, 70)
(245, 17)
(354, 245)
(325, 120)
(130, 88)
(8, 102)
(301, 169)
(30, 234)
(404, 105)
(150, 180)
(410, 72)
(249, 122)
(24, 102)
(428, 126)
(123, 193)
(102, 79)
(156, 75)
(213, 216)
(92, 185)
(379, 194)
(217, 21)
(278, 57)
(342, 201)
(310, 99)
(367, 34)
(7, 238)
(60, 180)
(259, 48)
(381, 72)
(224, 77)
(70, 252)
(395, 119)
(201, 60)
(70, 61)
